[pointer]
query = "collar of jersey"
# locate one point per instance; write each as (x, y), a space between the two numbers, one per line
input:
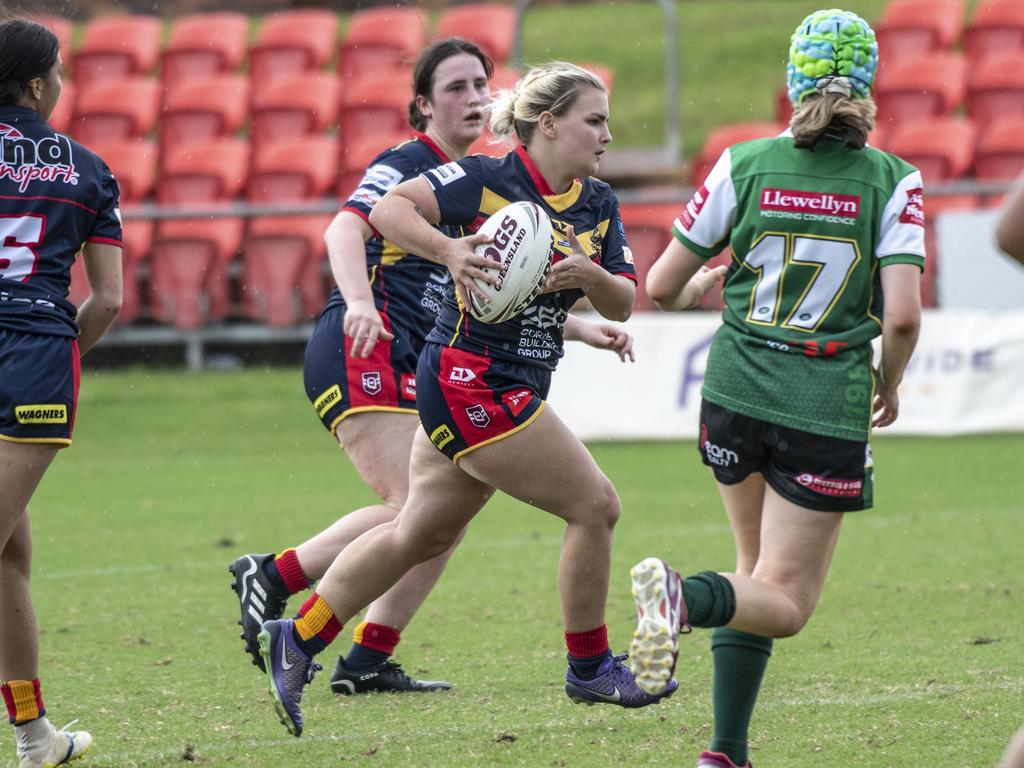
(20, 112)
(557, 202)
(433, 146)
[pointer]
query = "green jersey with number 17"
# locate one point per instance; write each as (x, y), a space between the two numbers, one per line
(809, 231)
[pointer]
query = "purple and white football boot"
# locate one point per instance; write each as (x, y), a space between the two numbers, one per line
(289, 670)
(613, 684)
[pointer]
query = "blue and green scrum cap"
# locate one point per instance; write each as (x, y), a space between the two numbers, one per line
(832, 51)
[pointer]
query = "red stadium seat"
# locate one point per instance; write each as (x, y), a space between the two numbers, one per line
(293, 169)
(62, 118)
(929, 85)
(282, 253)
(133, 164)
(205, 172)
(116, 109)
(381, 39)
(996, 27)
(604, 72)
(356, 156)
(648, 231)
(1000, 150)
(190, 258)
(283, 259)
(879, 138)
(996, 87)
(204, 108)
(204, 44)
(295, 106)
(913, 27)
(942, 148)
(725, 136)
(114, 47)
(373, 106)
(290, 42)
(490, 25)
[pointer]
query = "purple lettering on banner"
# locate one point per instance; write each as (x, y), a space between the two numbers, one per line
(952, 360)
(691, 376)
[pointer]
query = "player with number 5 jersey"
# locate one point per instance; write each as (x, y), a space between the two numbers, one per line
(827, 242)
(58, 201)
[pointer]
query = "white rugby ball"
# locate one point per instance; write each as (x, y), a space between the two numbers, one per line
(521, 241)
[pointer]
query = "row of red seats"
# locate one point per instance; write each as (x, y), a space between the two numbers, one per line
(944, 148)
(222, 105)
(287, 42)
(941, 83)
(909, 28)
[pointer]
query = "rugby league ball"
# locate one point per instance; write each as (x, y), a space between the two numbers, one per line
(520, 247)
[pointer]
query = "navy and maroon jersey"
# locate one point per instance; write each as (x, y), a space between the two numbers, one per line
(55, 195)
(406, 288)
(471, 190)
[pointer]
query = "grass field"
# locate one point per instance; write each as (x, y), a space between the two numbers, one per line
(912, 658)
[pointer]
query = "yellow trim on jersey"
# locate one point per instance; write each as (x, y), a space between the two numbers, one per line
(566, 199)
(491, 202)
(61, 441)
(391, 253)
(502, 436)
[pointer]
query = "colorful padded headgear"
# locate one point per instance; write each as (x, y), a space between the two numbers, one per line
(832, 51)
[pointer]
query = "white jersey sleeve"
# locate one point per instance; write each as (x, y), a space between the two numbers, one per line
(902, 226)
(704, 224)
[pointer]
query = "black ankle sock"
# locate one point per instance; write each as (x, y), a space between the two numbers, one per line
(360, 658)
(586, 667)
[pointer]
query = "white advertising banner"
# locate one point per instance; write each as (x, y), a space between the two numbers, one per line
(967, 375)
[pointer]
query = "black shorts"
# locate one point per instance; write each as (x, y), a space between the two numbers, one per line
(813, 471)
(338, 384)
(467, 401)
(39, 378)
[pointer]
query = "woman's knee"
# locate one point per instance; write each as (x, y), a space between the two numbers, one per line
(602, 505)
(418, 545)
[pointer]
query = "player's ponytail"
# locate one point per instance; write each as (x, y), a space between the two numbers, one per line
(27, 51)
(850, 120)
(552, 87)
(426, 67)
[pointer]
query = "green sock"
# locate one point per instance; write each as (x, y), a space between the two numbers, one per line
(710, 600)
(739, 663)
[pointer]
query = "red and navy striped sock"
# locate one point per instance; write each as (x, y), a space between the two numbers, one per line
(587, 650)
(285, 572)
(24, 700)
(316, 626)
(372, 645)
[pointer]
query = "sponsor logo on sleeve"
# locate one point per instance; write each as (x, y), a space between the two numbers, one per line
(478, 415)
(328, 399)
(517, 400)
(446, 174)
(51, 413)
(367, 196)
(809, 206)
(627, 254)
(441, 436)
(382, 176)
(694, 207)
(408, 383)
(371, 382)
(913, 211)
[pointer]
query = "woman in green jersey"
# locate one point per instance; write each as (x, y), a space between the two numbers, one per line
(821, 228)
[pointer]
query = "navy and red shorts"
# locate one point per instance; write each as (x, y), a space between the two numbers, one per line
(39, 378)
(467, 400)
(338, 384)
(818, 472)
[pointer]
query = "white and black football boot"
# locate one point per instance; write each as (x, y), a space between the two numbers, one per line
(259, 600)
